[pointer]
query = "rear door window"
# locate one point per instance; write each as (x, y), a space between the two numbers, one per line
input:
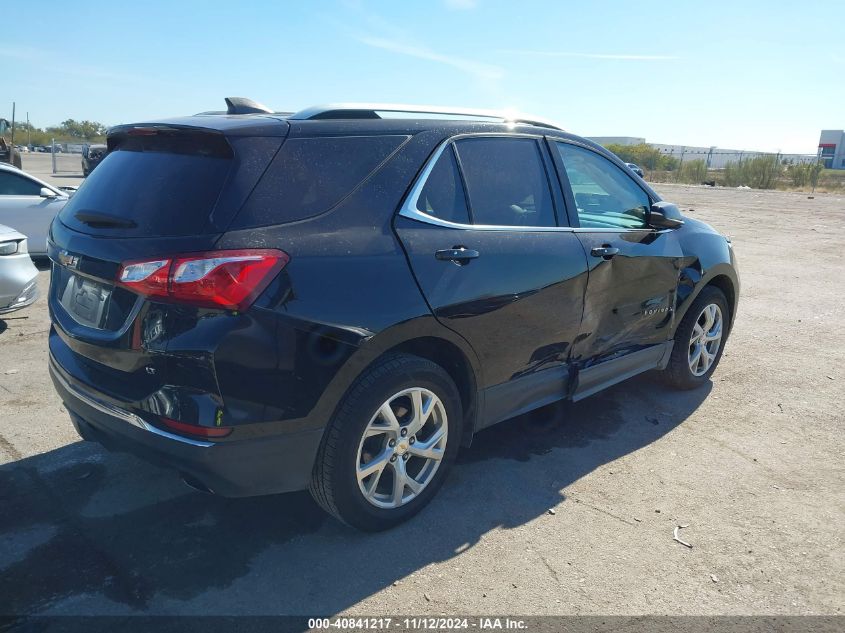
(506, 182)
(443, 194)
(312, 175)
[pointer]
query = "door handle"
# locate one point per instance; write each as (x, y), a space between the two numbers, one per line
(605, 252)
(461, 255)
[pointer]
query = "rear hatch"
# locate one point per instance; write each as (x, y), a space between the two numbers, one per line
(162, 189)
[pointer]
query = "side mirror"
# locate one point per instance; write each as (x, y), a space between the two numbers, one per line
(665, 215)
(47, 193)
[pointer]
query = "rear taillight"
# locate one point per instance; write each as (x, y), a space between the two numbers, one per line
(230, 280)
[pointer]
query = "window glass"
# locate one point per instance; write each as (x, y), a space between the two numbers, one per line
(16, 185)
(506, 181)
(311, 175)
(606, 197)
(164, 185)
(443, 194)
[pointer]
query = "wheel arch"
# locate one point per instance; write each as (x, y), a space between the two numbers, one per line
(722, 277)
(425, 337)
(453, 360)
(724, 283)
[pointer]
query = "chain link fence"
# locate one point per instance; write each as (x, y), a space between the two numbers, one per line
(717, 158)
(67, 156)
(730, 168)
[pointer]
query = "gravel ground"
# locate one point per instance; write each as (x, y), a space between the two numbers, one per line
(570, 510)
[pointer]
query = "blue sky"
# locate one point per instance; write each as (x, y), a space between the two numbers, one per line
(741, 74)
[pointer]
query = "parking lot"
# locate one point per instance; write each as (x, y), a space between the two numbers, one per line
(68, 168)
(569, 510)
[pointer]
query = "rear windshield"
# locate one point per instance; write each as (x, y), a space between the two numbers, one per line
(163, 185)
(311, 175)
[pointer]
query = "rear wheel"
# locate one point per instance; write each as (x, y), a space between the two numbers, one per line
(389, 447)
(699, 340)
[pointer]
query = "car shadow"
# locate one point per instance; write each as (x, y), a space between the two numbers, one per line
(42, 262)
(89, 532)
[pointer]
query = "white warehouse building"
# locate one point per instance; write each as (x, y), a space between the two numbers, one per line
(714, 157)
(832, 149)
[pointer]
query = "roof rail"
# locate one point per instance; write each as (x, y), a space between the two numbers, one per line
(373, 110)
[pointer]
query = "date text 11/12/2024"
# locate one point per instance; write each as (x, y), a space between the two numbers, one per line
(416, 623)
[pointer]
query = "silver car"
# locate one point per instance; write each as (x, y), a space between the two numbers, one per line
(18, 275)
(29, 205)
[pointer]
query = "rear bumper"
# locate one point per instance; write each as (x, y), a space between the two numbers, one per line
(235, 468)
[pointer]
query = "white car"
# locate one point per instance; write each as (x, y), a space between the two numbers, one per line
(28, 205)
(18, 275)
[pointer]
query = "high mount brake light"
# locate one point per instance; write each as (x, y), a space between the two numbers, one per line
(142, 131)
(230, 280)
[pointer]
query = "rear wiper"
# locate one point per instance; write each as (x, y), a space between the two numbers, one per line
(104, 220)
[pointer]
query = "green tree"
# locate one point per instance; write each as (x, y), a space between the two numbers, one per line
(69, 131)
(645, 156)
(79, 129)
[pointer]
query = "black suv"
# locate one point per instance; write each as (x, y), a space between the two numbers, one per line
(91, 157)
(337, 299)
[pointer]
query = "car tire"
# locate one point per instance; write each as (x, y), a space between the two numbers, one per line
(16, 159)
(696, 351)
(358, 439)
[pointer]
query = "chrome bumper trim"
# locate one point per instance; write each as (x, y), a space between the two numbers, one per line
(117, 412)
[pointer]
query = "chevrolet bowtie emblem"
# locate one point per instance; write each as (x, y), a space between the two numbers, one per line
(66, 259)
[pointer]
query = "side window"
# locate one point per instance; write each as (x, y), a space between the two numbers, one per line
(15, 185)
(506, 181)
(311, 175)
(443, 194)
(605, 196)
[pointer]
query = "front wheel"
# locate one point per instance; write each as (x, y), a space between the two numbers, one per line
(699, 340)
(388, 449)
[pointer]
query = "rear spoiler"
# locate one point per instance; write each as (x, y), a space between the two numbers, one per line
(169, 138)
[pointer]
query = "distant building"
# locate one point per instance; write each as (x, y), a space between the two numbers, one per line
(718, 157)
(616, 140)
(832, 149)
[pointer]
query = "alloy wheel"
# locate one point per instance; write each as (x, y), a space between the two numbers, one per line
(401, 448)
(705, 340)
